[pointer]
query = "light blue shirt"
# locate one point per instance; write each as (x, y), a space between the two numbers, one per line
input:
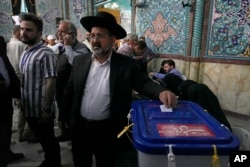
(173, 71)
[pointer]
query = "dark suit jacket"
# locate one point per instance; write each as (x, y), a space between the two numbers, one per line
(13, 90)
(124, 77)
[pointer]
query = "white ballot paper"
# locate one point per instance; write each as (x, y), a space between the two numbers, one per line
(165, 109)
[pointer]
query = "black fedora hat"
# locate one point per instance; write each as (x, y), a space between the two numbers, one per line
(106, 20)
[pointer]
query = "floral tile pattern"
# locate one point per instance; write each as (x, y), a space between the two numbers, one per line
(163, 23)
(229, 29)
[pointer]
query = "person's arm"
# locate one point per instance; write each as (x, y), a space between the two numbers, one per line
(50, 91)
(168, 98)
(159, 75)
(158, 92)
(79, 48)
(177, 73)
(71, 54)
(50, 74)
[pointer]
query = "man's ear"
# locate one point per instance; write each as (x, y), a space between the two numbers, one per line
(113, 40)
(40, 33)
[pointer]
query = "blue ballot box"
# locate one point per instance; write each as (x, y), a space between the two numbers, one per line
(186, 136)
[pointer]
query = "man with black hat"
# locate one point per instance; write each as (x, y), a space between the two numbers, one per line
(99, 95)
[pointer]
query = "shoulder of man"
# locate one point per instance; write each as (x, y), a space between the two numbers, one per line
(122, 58)
(80, 59)
(80, 45)
(46, 50)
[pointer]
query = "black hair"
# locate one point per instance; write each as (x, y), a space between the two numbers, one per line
(141, 44)
(142, 37)
(169, 62)
(33, 18)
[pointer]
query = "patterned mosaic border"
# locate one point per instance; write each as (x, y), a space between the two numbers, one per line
(229, 33)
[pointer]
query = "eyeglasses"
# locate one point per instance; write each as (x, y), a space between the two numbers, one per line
(98, 36)
(63, 32)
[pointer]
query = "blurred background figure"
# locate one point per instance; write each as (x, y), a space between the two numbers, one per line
(45, 39)
(15, 47)
(126, 48)
(143, 55)
(142, 38)
(51, 40)
(87, 41)
(9, 88)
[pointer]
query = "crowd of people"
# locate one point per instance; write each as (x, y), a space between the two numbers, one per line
(89, 83)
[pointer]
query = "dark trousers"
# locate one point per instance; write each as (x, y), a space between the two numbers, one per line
(44, 131)
(93, 138)
(6, 113)
(5, 135)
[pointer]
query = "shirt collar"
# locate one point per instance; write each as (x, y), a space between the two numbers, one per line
(108, 60)
(38, 45)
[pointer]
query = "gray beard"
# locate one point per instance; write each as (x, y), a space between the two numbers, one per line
(101, 52)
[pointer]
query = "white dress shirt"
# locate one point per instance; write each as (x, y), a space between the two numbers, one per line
(96, 98)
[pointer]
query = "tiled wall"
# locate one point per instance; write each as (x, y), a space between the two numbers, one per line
(48, 12)
(228, 40)
(231, 84)
(229, 33)
(225, 66)
(6, 23)
(163, 23)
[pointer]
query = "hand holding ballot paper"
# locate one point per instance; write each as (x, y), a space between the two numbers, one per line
(168, 98)
(165, 109)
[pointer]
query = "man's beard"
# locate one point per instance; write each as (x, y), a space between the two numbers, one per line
(29, 41)
(101, 51)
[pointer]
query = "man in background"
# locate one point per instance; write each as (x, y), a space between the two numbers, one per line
(87, 41)
(169, 68)
(38, 67)
(142, 38)
(66, 34)
(172, 77)
(143, 55)
(127, 47)
(15, 47)
(51, 40)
